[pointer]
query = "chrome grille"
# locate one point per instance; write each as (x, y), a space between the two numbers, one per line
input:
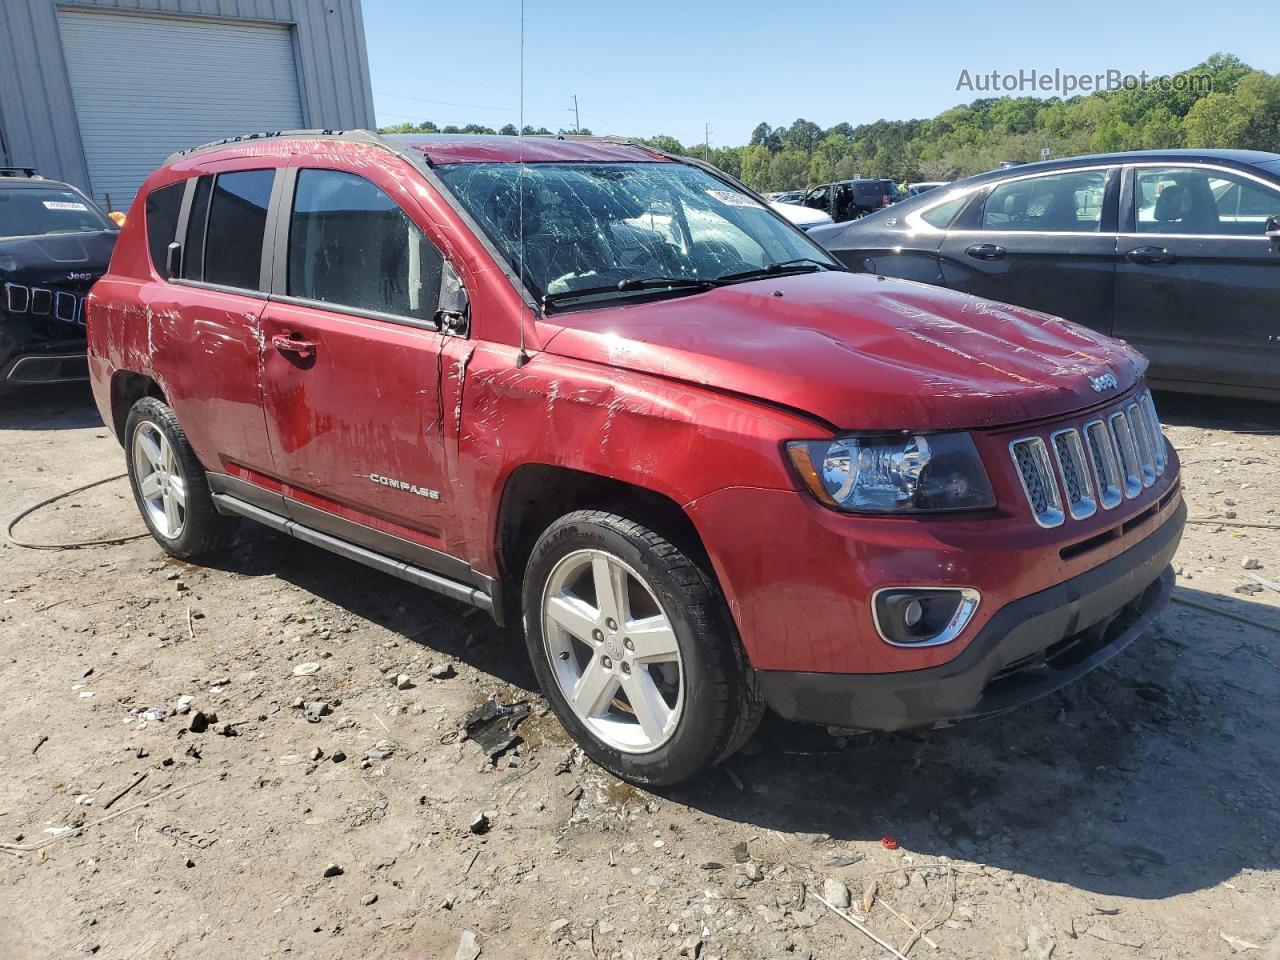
(1127, 453)
(1144, 444)
(65, 305)
(1100, 463)
(17, 298)
(1074, 469)
(1102, 456)
(1038, 483)
(1156, 432)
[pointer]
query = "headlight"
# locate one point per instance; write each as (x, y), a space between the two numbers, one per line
(899, 474)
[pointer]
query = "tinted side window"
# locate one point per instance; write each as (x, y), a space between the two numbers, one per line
(1191, 200)
(162, 222)
(352, 245)
(237, 222)
(1060, 203)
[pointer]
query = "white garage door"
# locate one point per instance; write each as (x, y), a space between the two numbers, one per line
(147, 86)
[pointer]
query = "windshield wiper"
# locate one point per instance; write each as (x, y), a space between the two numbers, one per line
(630, 285)
(798, 265)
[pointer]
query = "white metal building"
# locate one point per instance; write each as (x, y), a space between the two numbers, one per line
(100, 92)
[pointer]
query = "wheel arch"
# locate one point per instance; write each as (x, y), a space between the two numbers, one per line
(127, 388)
(536, 494)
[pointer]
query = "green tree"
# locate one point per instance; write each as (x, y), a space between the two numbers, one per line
(1221, 102)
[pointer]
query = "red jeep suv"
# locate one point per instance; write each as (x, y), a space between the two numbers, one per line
(608, 395)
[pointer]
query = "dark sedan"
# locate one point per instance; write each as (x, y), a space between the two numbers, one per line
(1176, 251)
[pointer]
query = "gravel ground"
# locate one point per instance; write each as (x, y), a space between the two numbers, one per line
(1136, 814)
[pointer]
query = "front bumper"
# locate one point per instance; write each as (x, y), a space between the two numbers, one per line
(1028, 648)
(63, 361)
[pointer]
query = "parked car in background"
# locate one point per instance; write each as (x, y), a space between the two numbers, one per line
(604, 394)
(1177, 252)
(851, 199)
(924, 186)
(54, 243)
(790, 196)
(803, 217)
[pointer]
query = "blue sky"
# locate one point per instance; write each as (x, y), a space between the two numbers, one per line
(669, 67)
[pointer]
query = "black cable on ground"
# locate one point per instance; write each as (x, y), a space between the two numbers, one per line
(109, 542)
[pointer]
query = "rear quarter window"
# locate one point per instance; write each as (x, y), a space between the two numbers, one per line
(162, 208)
(943, 214)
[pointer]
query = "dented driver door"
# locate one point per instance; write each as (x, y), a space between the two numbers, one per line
(351, 363)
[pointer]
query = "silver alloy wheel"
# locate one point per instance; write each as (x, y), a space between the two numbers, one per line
(160, 480)
(613, 651)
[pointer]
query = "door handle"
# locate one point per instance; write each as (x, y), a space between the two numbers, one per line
(986, 251)
(304, 350)
(1150, 255)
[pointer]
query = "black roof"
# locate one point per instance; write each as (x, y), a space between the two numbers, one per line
(27, 177)
(1236, 158)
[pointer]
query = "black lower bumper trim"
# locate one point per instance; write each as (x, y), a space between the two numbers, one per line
(35, 368)
(1028, 649)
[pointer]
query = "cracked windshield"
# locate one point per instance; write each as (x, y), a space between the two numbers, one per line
(594, 231)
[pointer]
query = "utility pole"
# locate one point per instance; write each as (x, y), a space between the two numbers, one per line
(706, 143)
(577, 126)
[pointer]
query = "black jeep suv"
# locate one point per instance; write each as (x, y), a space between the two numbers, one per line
(54, 243)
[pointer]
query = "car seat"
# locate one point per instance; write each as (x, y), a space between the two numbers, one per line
(1172, 207)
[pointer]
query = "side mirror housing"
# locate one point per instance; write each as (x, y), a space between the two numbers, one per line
(454, 309)
(173, 260)
(1273, 228)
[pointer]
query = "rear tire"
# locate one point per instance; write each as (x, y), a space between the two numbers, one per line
(169, 484)
(651, 681)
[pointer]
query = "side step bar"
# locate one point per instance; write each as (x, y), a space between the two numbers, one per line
(397, 568)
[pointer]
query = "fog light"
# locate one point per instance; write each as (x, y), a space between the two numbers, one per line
(922, 616)
(913, 613)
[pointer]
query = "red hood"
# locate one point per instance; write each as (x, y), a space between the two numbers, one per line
(858, 352)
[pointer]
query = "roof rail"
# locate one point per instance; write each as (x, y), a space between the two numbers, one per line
(609, 139)
(20, 172)
(590, 138)
(362, 135)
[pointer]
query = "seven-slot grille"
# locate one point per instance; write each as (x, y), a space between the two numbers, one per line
(43, 302)
(1108, 459)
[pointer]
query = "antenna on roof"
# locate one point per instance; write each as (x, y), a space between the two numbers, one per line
(523, 356)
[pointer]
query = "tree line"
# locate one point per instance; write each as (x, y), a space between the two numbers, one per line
(1238, 107)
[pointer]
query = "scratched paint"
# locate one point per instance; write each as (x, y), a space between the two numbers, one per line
(691, 398)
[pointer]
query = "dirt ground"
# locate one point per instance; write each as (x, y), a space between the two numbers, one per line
(1136, 814)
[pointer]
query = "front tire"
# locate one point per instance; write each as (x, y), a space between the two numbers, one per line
(634, 648)
(169, 484)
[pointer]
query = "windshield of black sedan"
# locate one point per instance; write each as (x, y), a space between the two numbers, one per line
(35, 211)
(588, 226)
